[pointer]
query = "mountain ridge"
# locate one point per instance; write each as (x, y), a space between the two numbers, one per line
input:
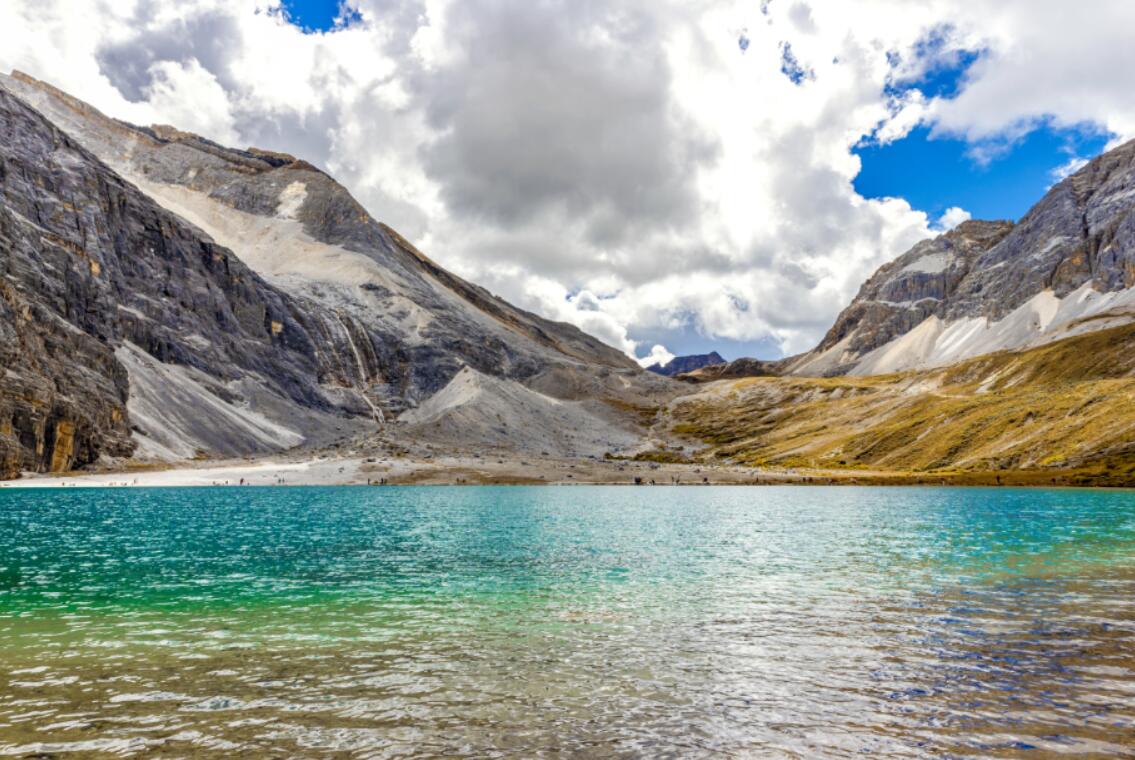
(375, 326)
(1068, 266)
(326, 211)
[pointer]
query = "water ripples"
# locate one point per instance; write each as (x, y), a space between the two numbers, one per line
(565, 622)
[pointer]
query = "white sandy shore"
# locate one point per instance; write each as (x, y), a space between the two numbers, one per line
(455, 469)
(263, 473)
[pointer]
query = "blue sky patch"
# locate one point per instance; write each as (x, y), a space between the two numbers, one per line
(791, 67)
(689, 340)
(933, 174)
(945, 77)
(318, 15)
(944, 69)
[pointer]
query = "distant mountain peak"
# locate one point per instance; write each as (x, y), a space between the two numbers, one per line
(680, 364)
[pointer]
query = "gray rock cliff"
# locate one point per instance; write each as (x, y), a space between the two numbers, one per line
(921, 282)
(92, 272)
(165, 297)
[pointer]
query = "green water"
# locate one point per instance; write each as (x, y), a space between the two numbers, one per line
(567, 622)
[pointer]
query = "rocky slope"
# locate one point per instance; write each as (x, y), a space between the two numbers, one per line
(905, 292)
(304, 232)
(165, 296)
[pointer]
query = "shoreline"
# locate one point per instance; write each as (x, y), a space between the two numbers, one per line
(323, 470)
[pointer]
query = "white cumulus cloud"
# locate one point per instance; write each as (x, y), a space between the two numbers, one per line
(951, 218)
(642, 167)
(658, 355)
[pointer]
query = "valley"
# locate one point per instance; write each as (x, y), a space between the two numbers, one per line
(173, 308)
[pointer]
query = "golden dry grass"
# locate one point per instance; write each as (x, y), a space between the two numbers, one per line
(1066, 409)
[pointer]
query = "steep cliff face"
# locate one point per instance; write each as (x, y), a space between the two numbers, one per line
(1066, 268)
(99, 284)
(62, 394)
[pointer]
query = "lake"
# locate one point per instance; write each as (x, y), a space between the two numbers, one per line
(567, 622)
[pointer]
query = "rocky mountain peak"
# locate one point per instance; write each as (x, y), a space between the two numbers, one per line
(980, 231)
(1068, 264)
(914, 286)
(206, 299)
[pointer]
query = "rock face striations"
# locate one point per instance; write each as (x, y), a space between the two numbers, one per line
(101, 287)
(162, 296)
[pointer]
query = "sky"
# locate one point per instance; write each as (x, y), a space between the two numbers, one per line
(672, 176)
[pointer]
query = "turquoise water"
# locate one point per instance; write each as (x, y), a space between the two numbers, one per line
(566, 622)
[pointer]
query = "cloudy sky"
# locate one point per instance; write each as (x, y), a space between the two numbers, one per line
(670, 176)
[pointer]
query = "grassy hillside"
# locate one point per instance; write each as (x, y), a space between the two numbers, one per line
(1065, 411)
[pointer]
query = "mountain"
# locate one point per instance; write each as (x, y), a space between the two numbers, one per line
(994, 350)
(1066, 268)
(123, 331)
(165, 297)
(681, 364)
(734, 369)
